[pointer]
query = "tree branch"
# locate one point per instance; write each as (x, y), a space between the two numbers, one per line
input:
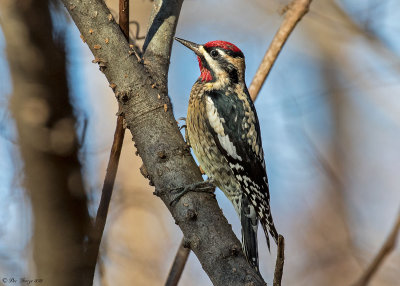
(123, 19)
(158, 42)
(147, 110)
(295, 11)
(280, 260)
(385, 250)
(108, 186)
(179, 264)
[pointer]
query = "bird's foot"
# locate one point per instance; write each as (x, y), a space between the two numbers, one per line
(184, 124)
(204, 186)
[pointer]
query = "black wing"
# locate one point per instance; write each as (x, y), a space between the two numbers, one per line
(240, 142)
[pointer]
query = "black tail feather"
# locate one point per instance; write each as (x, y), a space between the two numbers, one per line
(269, 229)
(249, 224)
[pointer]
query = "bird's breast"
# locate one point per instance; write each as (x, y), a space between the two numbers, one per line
(204, 146)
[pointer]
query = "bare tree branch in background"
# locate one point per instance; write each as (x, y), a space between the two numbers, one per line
(386, 249)
(108, 186)
(336, 65)
(376, 42)
(123, 20)
(106, 193)
(295, 11)
(143, 95)
(178, 265)
(48, 142)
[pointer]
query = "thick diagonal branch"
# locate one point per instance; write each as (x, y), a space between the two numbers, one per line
(147, 111)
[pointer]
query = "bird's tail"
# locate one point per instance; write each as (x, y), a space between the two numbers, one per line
(249, 223)
(268, 226)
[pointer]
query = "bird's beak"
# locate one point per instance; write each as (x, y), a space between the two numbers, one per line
(193, 46)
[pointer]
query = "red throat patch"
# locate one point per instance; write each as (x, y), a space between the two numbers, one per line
(223, 45)
(205, 74)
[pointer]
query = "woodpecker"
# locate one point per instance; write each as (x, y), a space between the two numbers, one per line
(223, 130)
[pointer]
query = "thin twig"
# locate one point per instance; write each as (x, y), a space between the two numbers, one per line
(125, 30)
(386, 248)
(124, 17)
(109, 180)
(137, 34)
(101, 217)
(177, 267)
(280, 260)
(112, 167)
(295, 11)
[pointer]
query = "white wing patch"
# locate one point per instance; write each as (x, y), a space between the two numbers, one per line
(216, 124)
(236, 166)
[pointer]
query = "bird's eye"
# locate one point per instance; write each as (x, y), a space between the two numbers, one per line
(214, 53)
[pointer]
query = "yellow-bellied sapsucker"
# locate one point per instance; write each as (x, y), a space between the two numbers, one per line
(224, 133)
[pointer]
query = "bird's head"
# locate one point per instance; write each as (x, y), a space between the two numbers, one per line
(220, 62)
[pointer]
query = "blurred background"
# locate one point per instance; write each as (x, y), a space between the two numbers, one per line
(330, 121)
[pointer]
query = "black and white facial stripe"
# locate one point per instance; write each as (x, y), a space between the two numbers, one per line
(217, 60)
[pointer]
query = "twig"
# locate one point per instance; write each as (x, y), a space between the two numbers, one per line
(280, 260)
(137, 34)
(101, 217)
(386, 248)
(112, 167)
(177, 267)
(124, 17)
(295, 11)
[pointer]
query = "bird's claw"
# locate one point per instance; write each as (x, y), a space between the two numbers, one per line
(204, 186)
(182, 119)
